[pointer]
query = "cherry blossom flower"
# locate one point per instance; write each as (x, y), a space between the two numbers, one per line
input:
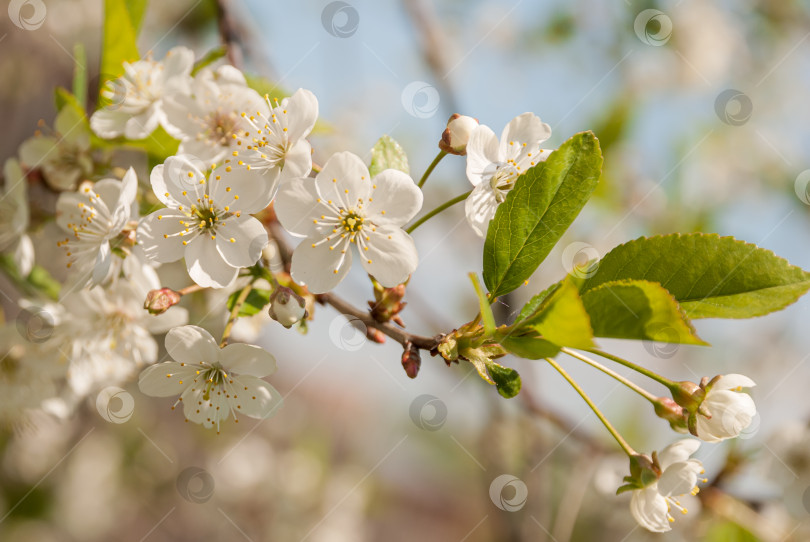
(675, 475)
(206, 220)
(457, 134)
(344, 206)
(730, 411)
(94, 218)
(275, 143)
(63, 155)
(137, 96)
(213, 382)
(14, 217)
(208, 120)
(493, 167)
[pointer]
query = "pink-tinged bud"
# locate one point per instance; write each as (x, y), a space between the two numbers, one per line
(457, 134)
(411, 360)
(688, 395)
(375, 335)
(286, 307)
(387, 303)
(159, 301)
(672, 412)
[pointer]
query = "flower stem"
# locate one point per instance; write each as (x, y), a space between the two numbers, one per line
(638, 368)
(235, 313)
(431, 167)
(593, 363)
(437, 210)
(190, 289)
(623, 443)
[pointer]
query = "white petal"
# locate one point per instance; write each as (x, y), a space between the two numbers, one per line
(230, 75)
(259, 400)
(249, 191)
(649, 509)
(240, 241)
(161, 323)
(102, 265)
(480, 208)
(391, 256)
(344, 179)
(318, 267)
(247, 359)
(679, 478)
(143, 124)
(192, 345)
(35, 151)
(677, 452)
(526, 128)
(108, 123)
(397, 195)
(205, 264)
(733, 381)
(24, 255)
(178, 62)
(122, 208)
(482, 152)
(297, 160)
(302, 111)
(179, 174)
(207, 412)
(166, 379)
(181, 111)
(731, 412)
(297, 206)
(159, 237)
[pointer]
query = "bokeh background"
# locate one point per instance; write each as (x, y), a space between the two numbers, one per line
(701, 110)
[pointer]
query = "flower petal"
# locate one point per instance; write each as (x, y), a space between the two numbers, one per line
(192, 345)
(396, 198)
(102, 265)
(677, 452)
(526, 128)
(480, 208)
(482, 152)
(255, 397)
(391, 256)
(166, 379)
(122, 208)
(158, 235)
(206, 266)
(109, 123)
(733, 381)
(320, 268)
(297, 207)
(35, 151)
(302, 112)
(240, 241)
(680, 478)
(242, 189)
(247, 359)
(344, 179)
(179, 177)
(649, 509)
(141, 125)
(297, 160)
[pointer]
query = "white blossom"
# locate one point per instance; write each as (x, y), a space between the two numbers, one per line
(493, 167)
(206, 220)
(14, 217)
(343, 206)
(213, 382)
(136, 107)
(207, 120)
(731, 411)
(93, 218)
(651, 505)
(64, 155)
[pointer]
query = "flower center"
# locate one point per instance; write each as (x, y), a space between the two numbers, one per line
(221, 128)
(503, 179)
(351, 220)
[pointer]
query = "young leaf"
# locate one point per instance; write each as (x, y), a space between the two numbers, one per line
(562, 318)
(120, 38)
(387, 154)
(210, 57)
(710, 276)
(487, 317)
(637, 309)
(80, 74)
(507, 380)
(530, 346)
(537, 211)
(256, 300)
(137, 10)
(535, 302)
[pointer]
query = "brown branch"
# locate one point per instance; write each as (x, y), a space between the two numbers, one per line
(229, 34)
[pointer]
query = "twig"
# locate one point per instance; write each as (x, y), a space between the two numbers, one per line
(229, 34)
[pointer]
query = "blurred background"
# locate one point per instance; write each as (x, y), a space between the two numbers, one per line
(701, 111)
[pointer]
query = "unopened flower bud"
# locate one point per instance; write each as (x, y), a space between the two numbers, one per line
(286, 307)
(411, 360)
(672, 412)
(159, 301)
(688, 395)
(457, 134)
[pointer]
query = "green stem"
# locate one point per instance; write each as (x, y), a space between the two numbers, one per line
(593, 363)
(431, 167)
(623, 443)
(638, 368)
(437, 210)
(234, 313)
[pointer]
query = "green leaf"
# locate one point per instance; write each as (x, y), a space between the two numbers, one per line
(487, 317)
(638, 309)
(538, 210)
(44, 283)
(80, 74)
(710, 276)
(256, 300)
(507, 380)
(387, 154)
(120, 38)
(728, 532)
(63, 98)
(535, 302)
(210, 57)
(137, 10)
(562, 318)
(530, 346)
